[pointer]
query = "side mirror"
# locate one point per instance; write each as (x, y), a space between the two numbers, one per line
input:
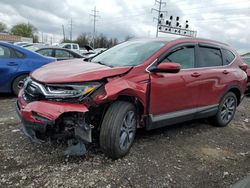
(167, 67)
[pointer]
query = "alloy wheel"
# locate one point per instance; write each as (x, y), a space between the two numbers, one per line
(228, 109)
(128, 129)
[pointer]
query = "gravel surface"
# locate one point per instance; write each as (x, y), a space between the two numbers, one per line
(193, 154)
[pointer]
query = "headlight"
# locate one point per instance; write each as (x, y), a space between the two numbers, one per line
(70, 90)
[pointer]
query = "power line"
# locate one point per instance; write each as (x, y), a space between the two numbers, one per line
(71, 27)
(95, 16)
(63, 33)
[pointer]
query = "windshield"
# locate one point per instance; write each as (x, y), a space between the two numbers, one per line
(247, 60)
(129, 53)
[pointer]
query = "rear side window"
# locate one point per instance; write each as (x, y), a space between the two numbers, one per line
(45, 52)
(75, 46)
(63, 54)
(184, 56)
(19, 54)
(5, 52)
(228, 56)
(209, 57)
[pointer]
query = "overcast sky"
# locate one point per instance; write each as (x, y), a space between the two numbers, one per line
(224, 20)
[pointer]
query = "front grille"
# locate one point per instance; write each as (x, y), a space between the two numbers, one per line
(32, 92)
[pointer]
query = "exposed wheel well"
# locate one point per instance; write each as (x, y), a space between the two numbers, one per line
(139, 106)
(237, 92)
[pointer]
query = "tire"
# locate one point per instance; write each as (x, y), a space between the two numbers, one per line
(226, 111)
(18, 83)
(118, 129)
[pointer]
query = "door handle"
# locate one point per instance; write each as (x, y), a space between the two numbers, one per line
(12, 64)
(195, 74)
(225, 72)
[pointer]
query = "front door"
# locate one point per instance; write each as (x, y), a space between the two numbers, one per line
(175, 93)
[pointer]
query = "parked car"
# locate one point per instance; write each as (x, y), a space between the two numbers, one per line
(59, 53)
(76, 48)
(22, 43)
(15, 65)
(247, 61)
(137, 84)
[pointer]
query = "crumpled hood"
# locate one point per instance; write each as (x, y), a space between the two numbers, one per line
(75, 71)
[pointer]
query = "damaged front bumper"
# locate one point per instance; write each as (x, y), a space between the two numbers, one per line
(46, 120)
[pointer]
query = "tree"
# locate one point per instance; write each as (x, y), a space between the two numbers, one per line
(83, 39)
(3, 27)
(24, 30)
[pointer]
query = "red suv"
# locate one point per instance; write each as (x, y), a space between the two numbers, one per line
(137, 84)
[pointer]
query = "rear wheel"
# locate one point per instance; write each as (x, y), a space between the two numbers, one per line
(226, 111)
(118, 129)
(18, 83)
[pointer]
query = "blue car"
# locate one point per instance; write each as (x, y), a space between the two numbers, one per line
(15, 65)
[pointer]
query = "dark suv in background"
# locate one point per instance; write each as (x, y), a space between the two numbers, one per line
(137, 84)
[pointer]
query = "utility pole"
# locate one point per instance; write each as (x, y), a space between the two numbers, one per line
(71, 25)
(159, 11)
(94, 15)
(63, 32)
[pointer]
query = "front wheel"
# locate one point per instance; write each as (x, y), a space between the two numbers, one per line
(18, 83)
(118, 129)
(226, 111)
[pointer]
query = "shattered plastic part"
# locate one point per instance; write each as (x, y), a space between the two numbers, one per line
(49, 110)
(75, 148)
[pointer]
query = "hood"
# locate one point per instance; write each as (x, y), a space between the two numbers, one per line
(75, 71)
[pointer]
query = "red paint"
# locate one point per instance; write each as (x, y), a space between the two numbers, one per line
(159, 93)
(75, 71)
(47, 109)
(169, 67)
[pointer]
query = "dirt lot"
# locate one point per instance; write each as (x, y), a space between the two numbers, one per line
(193, 154)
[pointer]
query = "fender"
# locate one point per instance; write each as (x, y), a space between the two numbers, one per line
(117, 87)
(230, 88)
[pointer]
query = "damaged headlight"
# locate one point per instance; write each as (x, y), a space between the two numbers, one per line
(70, 90)
(59, 91)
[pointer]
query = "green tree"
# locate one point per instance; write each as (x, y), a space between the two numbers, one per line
(24, 30)
(3, 27)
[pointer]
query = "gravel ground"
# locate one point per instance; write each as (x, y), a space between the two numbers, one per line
(193, 154)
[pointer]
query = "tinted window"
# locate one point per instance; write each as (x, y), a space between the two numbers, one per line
(62, 54)
(75, 46)
(18, 54)
(5, 52)
(46, 52)
(183, 56)
(228, 56)
(209, 57)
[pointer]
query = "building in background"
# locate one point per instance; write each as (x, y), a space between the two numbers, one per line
(14, 38)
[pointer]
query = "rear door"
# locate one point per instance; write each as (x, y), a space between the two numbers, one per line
(213, 75)
(175, 92)
(10, 60)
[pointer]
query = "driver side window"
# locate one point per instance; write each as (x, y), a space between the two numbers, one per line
(184, 56)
